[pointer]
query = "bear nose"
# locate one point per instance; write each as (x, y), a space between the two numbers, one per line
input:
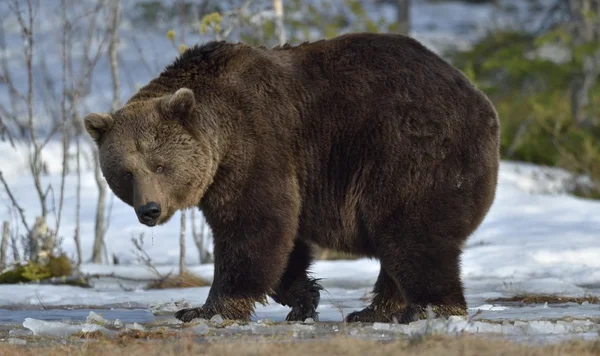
(149, 213)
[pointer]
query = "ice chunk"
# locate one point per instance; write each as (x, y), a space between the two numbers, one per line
(50, 328)
(94, 318)
(118, 324)
(256, 328)
(301, 327)
(134, 326)
(14, 341)
(511, 329)
(20, 332)
(90, 328)
(540, 327)
(581, 326)
(309, 321)
(481, 327)
(416, 327)
(218, 319)
(169, 308)
(98, 319)
(381, 326)
(456, 325)
(201, 329)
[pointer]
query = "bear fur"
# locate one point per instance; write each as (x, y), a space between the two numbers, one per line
(365, 143)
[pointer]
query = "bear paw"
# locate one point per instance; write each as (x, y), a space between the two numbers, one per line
(373, 314)
(187, 315)
(417, 312)
(301, 314)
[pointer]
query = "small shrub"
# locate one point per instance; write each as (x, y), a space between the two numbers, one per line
(32, 271)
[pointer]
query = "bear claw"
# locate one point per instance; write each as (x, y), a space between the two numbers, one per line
(187, 315)
(301, 314)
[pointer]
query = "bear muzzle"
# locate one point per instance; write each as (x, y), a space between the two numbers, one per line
(149, 213)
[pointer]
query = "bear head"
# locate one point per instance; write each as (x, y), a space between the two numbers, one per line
(155, 154)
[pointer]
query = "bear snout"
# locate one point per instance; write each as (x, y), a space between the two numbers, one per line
(149, 213)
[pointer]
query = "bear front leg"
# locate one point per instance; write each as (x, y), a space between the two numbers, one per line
(251, 254)
(296, 289)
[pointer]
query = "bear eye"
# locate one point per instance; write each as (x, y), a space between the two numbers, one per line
(159, 169)
(127, 175)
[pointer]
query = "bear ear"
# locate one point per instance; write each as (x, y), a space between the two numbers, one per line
(182, 102)
(97, 125)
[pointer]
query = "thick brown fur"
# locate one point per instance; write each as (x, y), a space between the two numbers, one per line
(365, 143)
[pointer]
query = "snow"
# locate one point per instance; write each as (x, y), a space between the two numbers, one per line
(537, 238)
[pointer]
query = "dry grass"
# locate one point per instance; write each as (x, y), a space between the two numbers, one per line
(184, 280)
(434, 345)
(541, 299)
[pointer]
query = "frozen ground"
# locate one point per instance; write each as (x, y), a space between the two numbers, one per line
(536, 239)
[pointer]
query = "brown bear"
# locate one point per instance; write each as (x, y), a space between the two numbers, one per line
(365, 143)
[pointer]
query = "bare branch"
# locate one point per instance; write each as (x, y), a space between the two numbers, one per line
(51, 134)
(182, 244)
(4, 244)
(65, 48)
(116, 276)
(14, 202)
(26, 27)
(143, 255)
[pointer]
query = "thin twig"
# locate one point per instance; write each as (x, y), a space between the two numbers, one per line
(116, 276)
(63, 112)
(14, 202)
(143, 255)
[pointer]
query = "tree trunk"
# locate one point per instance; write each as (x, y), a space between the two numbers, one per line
(115, 18)
(66, 132)
(15, 248)
(100, 208)
(4, 244)
(279, 24)
(207, 256)
(77, 236)
(195, 235)
(585, 29)
(404, 17)
(112, 52)
(201, 240)
(182, 244)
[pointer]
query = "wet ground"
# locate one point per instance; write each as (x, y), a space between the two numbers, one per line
(536, 323)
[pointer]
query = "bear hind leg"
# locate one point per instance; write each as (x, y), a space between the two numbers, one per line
(387, 301)
(428, 276)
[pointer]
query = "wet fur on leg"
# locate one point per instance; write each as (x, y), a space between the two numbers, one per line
(376, 312)
(303, 297)
(387, 301)
(232, 309)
